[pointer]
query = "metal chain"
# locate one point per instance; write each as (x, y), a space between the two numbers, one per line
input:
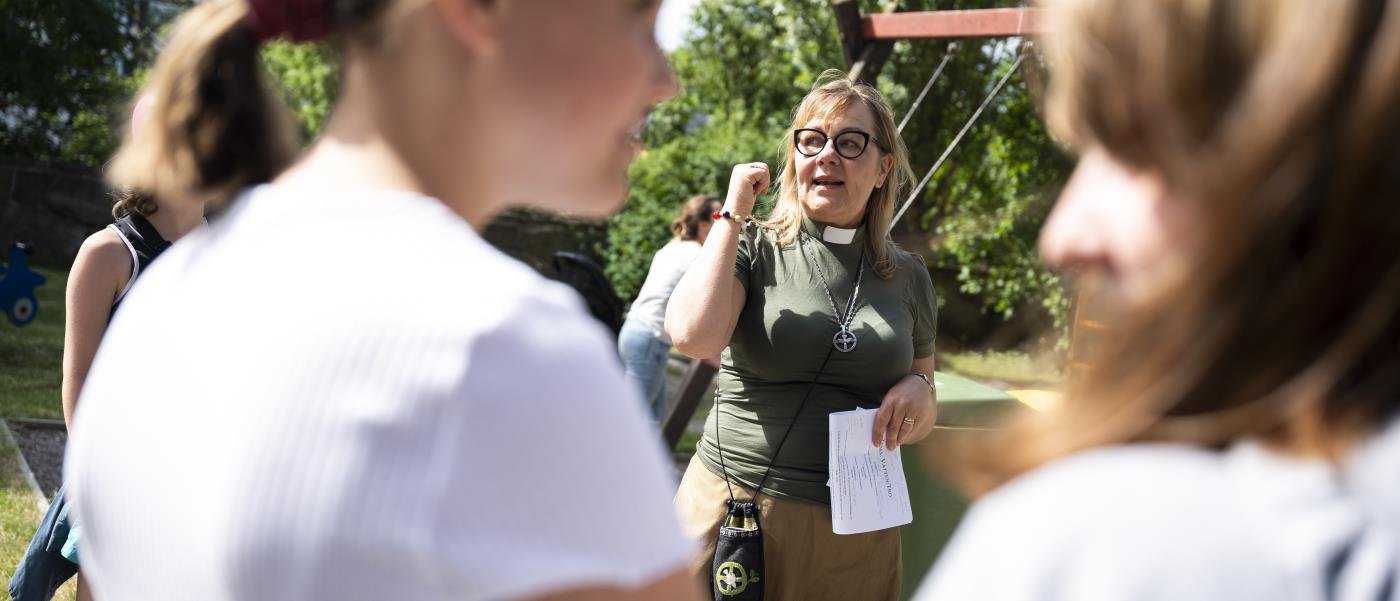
(842, 319)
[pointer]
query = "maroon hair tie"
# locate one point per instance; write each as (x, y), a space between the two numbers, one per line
(299, 20)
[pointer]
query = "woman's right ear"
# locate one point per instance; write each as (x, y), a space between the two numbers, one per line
(476, 24)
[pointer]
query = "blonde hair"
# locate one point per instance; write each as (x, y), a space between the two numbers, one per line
(833, 94)
(1275, 121)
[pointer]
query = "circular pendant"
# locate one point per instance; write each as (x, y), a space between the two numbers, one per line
(844, 341)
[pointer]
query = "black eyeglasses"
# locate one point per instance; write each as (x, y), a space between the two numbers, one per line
(850, 144)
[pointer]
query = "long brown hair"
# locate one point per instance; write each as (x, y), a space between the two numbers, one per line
(695, 211)
(214, 125)
(1276, 121)
(832, 94)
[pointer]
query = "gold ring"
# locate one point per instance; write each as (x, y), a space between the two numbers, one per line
(909, 420)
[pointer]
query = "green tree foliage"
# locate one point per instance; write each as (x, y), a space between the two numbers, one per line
(747, 63)
(68, 69)
(699, 163)
(744, 68)
(70, 66)
(982, 211)
(308, 77)
(66, 72)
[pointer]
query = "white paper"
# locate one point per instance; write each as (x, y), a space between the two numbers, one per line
(868, 490)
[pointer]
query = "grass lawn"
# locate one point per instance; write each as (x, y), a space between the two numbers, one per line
(675, 374)
(686, 444)
(31, 363)
(1012, 367)
(19, 516)
(31, 357)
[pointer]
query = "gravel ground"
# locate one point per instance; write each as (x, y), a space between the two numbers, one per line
(43, 450)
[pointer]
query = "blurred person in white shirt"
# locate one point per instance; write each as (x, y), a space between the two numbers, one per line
(339, 390)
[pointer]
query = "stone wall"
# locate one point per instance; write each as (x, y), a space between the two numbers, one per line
(534, 237)
(52, 206)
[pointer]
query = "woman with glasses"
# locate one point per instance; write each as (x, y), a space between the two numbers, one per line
(643, 343)
(816, 311)
(339, 390)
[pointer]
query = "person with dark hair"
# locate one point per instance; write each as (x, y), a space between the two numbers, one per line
(643, 343)
(816, 311)
(106, 267)
(1237, 435)
(339, 390)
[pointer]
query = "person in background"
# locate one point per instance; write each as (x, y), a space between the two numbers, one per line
(1238, 436)
(339, 390)
(643, 342)
(106, 267)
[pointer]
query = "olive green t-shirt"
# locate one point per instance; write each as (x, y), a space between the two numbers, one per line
(782, 335)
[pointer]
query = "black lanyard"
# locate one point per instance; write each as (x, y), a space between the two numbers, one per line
(772, 460)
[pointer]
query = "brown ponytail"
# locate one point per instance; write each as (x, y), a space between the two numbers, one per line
(128, 201)
(695, 211)
(214, 126)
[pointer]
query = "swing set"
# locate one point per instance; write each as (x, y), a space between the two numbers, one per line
(866, 43)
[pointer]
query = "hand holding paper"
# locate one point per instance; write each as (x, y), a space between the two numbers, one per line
(868, 490)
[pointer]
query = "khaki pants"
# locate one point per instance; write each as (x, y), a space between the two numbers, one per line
(804, 559)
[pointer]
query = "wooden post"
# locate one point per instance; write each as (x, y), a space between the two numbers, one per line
(867, 40)
(872, 59)
(688, 398)
(848, 27)
(865, 57)
(942, 24)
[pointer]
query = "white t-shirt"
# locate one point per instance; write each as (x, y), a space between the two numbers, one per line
(1171, 522)
(667, 267)
(356, 397)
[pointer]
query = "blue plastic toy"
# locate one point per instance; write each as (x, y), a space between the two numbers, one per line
(17, 284)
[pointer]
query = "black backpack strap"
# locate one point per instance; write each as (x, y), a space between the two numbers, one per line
(143, 238)
(148, 234)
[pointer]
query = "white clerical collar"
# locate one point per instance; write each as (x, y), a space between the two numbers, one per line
(838, 235)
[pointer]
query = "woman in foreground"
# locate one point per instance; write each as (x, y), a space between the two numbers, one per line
(357, 397)
(1236, 197)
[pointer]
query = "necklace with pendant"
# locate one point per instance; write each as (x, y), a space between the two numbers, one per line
(844, 340)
